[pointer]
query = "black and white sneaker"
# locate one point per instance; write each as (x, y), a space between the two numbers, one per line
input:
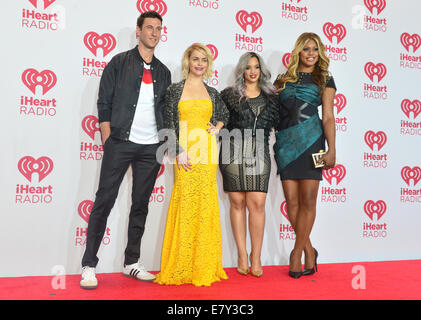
(138, 271)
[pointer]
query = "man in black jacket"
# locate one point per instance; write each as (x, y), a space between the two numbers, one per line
(130, 111)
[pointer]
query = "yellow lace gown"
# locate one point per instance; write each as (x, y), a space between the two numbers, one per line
(192, 248)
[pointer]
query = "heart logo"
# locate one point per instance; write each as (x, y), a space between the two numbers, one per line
(84, 209)
(90, 125)
(28, 165)
(31, 78)
(47, 3)
(161, 171)
(284, 210)
(93, 41)
(213, 50)
(371, 208)
(330, 30)
(378, 4)
(408, 40)
(408, 106)
(409, 174)
(372, 70)
(152, 5)
(340, 102)
(286, 59)
(253, 19)
(337, 172)
(371, 138)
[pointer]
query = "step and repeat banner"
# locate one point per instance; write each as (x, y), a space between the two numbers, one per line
(54, 52)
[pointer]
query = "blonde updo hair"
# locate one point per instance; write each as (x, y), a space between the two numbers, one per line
(186, 57)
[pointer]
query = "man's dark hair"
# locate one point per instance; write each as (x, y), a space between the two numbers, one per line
(148, 14)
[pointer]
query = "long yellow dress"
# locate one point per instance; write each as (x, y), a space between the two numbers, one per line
(192, 248)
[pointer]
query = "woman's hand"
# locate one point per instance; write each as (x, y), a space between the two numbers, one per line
(213, 130)
(183, 160)
(328, 159)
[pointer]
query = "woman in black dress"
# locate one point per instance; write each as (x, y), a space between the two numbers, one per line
(244, 158)
(303, 88)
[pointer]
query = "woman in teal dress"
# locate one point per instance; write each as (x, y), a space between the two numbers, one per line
(305, 86)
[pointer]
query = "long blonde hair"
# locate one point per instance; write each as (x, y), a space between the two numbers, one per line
(321, 69)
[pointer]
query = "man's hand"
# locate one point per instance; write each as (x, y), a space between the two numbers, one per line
(105, 128)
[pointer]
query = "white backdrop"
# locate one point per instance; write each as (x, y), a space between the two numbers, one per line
(54, 51)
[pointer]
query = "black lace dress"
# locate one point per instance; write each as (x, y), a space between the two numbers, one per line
(244, 158)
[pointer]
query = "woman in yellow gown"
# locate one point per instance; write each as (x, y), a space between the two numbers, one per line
(192, 247)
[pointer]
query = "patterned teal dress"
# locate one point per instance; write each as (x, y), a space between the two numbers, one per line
(300, 131)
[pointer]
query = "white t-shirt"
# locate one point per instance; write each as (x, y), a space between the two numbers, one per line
(144, 130)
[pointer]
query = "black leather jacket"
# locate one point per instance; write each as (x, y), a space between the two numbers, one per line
(242, 117)
(119, 91)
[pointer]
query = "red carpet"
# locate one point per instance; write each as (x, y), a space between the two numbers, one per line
(390, 280)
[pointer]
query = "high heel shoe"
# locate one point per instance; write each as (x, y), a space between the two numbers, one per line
(254, 273)
(242, 271)
(294, 274)
(311, 271)
(257, 273)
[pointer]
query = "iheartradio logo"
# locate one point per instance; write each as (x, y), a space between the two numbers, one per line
(90, 125)
(93, 41)
(28, 165)
(47, 3)
(253, 19)
(371, 138)
(408, 174)
(286, 230)
(84, 209)
(330, 30)
(338, 172)
(286, 59)
(294, 11)
(152, 5)
(378, 208)
(31, 78)
(378, 4)
(284, 209)
(408, 106)
(372, 70)
(408, 40)
(213, 50)
(340, 102)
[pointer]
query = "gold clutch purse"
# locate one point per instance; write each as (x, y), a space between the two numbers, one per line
(316, 157)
